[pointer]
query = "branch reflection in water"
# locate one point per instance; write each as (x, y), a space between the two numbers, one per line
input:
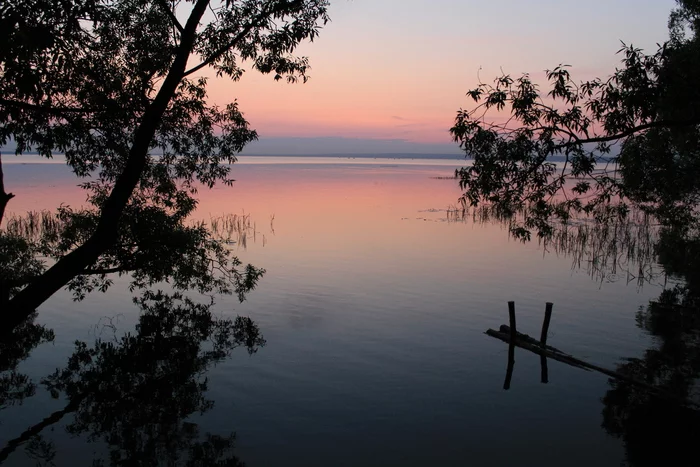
(657, 431)
(136, 392)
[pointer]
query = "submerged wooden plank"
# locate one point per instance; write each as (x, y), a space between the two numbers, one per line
(528, 343)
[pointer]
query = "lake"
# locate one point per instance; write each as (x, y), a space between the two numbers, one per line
(373, 308)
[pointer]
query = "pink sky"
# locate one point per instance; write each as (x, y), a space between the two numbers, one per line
(394, 69)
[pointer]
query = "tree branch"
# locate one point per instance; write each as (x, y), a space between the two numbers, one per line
(576, 139)
(253, 24)
(105, 271)
(34, 430)
(44, 108)
(166, 8)
(637, 129)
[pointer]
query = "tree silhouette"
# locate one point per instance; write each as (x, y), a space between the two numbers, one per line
(111, 85)
(630, 139)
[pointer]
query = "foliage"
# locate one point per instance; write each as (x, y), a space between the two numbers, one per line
(19, 261)
(596, 153)
(79, 76)
(630, 139)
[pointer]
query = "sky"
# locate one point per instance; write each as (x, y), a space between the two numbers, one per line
(389, 75)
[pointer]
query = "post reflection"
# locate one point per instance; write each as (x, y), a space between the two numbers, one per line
(653, 404)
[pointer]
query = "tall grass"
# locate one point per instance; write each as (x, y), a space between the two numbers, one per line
(33, 225)
(236, 229)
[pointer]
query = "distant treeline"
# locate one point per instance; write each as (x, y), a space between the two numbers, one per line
(409, 156)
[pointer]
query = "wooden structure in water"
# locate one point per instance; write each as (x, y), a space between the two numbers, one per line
(510, 335)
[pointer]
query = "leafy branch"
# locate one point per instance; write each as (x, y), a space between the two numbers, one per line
(599, 130)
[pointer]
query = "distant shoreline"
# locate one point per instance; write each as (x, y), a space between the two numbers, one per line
(32, 157)
(388, 155)
(12, 159)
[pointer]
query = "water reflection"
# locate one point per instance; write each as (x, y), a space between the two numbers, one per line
(657, 431)
(135, 393)
(15, 348)
(652, 405)
(377, 338)
(610, 245)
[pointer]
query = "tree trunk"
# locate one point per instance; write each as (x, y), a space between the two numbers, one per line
(4, 197)
(38, 291)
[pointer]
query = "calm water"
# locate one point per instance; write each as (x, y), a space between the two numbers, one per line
(374, 310)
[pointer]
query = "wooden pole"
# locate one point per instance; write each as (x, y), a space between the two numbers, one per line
(544, 371)
(543, 341)
(511, 365)
(511, 346)
(545, 323)
(511, 315)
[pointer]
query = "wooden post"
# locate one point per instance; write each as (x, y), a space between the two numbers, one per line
(511, 315)
(544, 372)
(545, 323)
(511, 365)
(511, 346)
(543, 342)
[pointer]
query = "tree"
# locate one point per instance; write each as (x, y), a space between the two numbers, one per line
(629, 140)
(112, 85)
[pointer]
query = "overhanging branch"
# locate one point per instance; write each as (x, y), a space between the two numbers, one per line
(166, 9)
(575, 139)
(105, 271)
(45, 108)
(257, 20)
(638, 128)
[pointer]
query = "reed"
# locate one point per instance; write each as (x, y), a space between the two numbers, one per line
(34, 224)
(229, 228)
(236, 229)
